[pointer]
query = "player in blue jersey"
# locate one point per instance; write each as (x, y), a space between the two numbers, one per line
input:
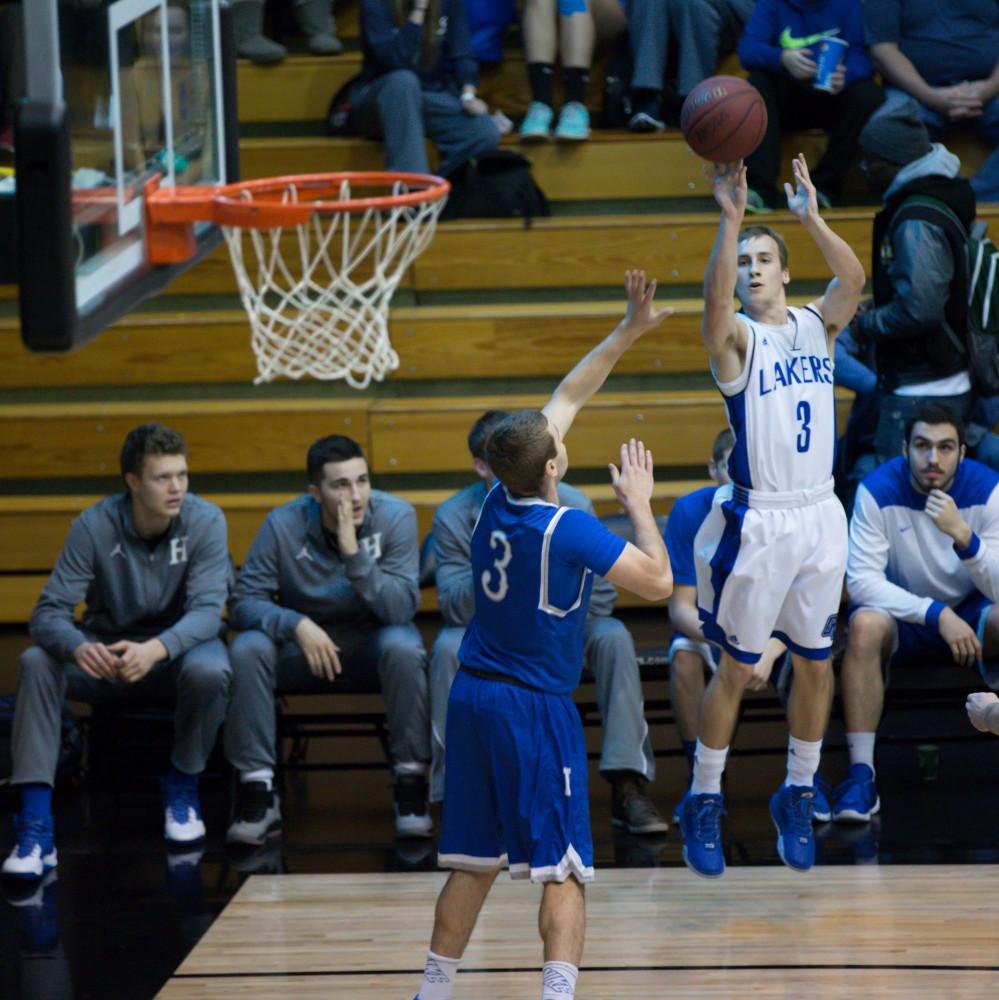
(923, 581)
(772, 552)
(516, 771)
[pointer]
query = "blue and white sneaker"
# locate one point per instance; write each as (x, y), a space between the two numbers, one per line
(537, 123)
(700, 822)
(856, 799)
(182, 810)
(791, 810)
(34, 851)
(821, 810)
(573, 123)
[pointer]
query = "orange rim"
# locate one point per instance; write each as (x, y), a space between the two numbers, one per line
(266, 209)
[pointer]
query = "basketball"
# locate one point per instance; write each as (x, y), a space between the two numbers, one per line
(723, 119)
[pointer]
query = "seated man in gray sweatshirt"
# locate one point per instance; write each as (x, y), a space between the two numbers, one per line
(152, 565)
(330, 585)
(627, 760)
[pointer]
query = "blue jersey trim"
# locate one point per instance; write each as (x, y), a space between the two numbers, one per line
(738, 461)
(808, 652)
(716, 634)
(933, 613)
(971, 550)
(723, 560)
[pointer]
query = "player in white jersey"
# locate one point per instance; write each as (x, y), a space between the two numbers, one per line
(772, 552)
(515, 785)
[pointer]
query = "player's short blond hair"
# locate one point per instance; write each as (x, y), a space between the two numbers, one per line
(518, 449)
(751, 231)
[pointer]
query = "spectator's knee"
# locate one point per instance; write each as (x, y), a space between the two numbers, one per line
(397, 87)
(36, 667)
(867, 632)
(205, 670)
(253, 650)
(611, 639)
(401, 648)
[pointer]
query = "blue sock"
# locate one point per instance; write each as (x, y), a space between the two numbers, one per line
(36, 800)
(689, 749)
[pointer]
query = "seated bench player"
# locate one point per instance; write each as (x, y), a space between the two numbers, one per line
(626, 760)
(922, 577)
(152, 566)
(516, 779)
(330, 585)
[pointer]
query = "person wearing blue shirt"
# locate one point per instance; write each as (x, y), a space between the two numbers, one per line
(516, 768)
(780, 48)
(923, 579)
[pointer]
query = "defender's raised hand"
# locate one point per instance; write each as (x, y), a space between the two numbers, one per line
(801, 199)
(642, 315)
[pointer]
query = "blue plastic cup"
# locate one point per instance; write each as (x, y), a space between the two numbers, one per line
(830, 54)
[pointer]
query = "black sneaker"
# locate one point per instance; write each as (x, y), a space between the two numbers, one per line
(632, 808)
(412, 812)
(647, 117)
(258, 814)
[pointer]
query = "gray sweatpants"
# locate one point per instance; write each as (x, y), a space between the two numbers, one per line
(397, 108)
(701, 30)
(198, 680)
(394, 653)
(609, 657)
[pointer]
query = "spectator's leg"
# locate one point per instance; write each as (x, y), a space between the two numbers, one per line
(648, 38)
(248, 19)
(843, 116)
(250, 730)
(458, 136)
(626, 759)
(986, 181)
(763, 166)
(686, 689)
(203, 676)
(540, 45)
(869, 640)
(316, 20)
(704, 29)
(443, 667)
(391, 108)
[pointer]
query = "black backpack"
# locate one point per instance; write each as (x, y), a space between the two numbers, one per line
(495, 185)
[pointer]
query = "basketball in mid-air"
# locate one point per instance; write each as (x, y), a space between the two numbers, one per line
(723, 119)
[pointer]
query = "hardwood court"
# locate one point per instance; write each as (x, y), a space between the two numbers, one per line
(918, 932)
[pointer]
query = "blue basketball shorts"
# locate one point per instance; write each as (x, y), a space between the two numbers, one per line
(515, 788)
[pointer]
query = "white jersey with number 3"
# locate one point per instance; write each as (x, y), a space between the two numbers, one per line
(781, 407)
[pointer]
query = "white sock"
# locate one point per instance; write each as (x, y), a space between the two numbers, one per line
(558, 981)
(438, 977)
(411, 767)
(709, 765)
(264, 774)
(802, 761)
(861, 747)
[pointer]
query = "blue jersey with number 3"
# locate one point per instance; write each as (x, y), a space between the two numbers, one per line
(533, 564)
(782, 407)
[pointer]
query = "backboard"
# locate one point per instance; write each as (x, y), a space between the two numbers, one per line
(118, 91)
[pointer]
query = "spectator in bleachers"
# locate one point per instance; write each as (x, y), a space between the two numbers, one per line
(572, 28)
(419, 82)
(329, 586)
(488, 21)
(780, 49)
(918, 276)
(698, 31)
(626, 761)
(314, 17)
(945, 56)
(923, 579)
(152, 567)
(11, 70)
(983, 711)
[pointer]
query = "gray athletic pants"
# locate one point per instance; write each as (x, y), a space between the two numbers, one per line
(701, 31)
(394, 654)
(609, 657)
(397, 108)
(198, 680)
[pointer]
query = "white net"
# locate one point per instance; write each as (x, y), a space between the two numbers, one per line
(317, 294)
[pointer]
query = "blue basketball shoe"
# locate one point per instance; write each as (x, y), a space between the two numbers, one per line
(791, 809)
(821, 811)
(700, 821)
(856, 799)
(181, 809)
(34, 852)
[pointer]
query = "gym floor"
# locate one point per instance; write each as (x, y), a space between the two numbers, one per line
(123, 913)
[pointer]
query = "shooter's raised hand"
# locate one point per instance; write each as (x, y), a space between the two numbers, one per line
(801, 199)
(730, 188)
(642, 314)
(633, 483)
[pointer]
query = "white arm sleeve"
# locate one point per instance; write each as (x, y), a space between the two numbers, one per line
(866, 581)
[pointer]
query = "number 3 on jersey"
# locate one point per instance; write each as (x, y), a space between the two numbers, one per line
(498, 540)
(804, 414)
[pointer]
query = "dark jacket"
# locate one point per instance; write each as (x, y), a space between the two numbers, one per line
(388, 47)
(919, 284)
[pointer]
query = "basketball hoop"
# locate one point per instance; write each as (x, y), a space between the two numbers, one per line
(317, 259)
